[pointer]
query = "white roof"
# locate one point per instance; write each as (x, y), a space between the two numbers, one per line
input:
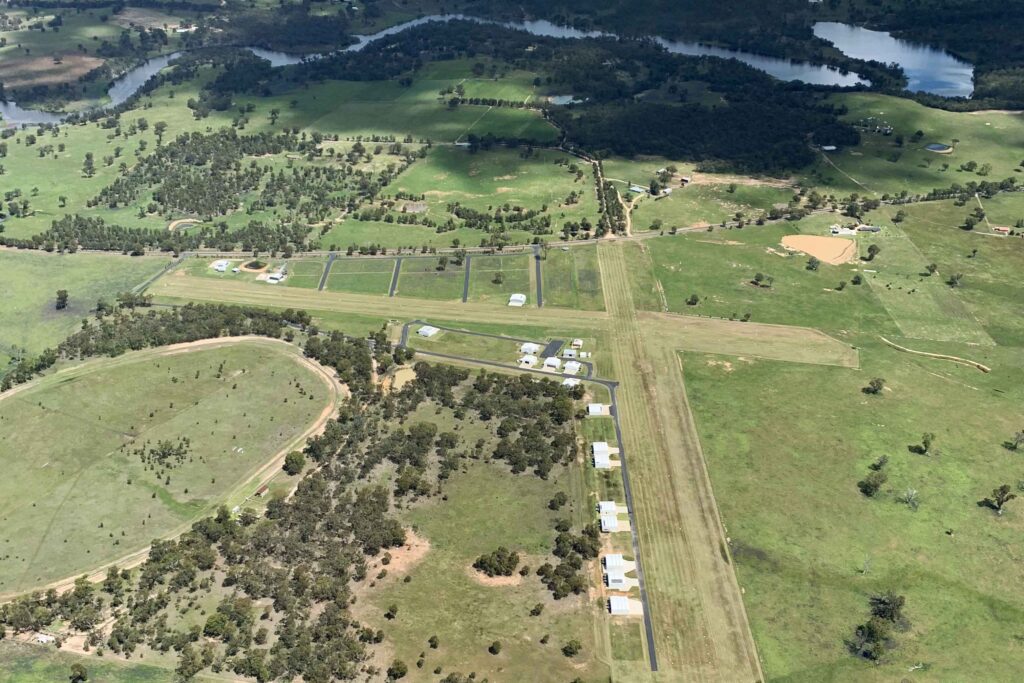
(221, 263)
(572, 367)
(609, 523)
(571, 382)
(577, 343)
(528, 360)
(595, 409)
(427, 331)
(600, 447)
(602, 461)
(552, 362)
(607, 507)
(569, 353)
(616, 578)
(618, 604)
(613, 561)
(517, 300)
(529, 347)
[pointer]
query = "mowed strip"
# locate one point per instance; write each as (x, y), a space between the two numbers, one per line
(701, 628)
(180, 285)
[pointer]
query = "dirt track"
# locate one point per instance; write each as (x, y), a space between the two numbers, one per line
(264, 472)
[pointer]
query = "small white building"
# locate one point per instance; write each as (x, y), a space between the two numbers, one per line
(618, 605)
(529, 347)
(552, 363)
(45, 639)
(577, 343)
(517, 300)
(613, 562)
(569, 353)
(596, 409)
(616, 580)
(221, 265)
(571, 382)
(528, 361)
(828, 148)
(236, 269)
(277, 277)
(602, 461)
(601, 448)
(572, 367)
(607, 507)
(427, 331)
(609, 523)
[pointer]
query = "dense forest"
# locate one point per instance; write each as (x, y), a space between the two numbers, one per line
(283, 579)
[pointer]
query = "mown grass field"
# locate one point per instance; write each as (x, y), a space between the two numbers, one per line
(469, 345)
(77, 495)
(421, 278)
(516, 276)
(880, 165)
(28, 318)
(364, 276)
(572, 278)
(786, 445)
(348, 233)
(707, 205)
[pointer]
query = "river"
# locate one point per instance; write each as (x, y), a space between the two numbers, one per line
(853, 41)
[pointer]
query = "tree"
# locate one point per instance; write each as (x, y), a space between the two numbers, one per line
(931, 268)
(433, 642)
(813, 263)
(693, 300)
(572, 648)
(889, 606)
(871, 484)
(873, 251)
(495, 647)
(62, 299)
(397, 670)
(954, 280)
(78, 673)
(558, 501)
(499, 277)
(159, 128)
(294, 462)
(1016, 442)
(875, 386)
(655, 188)
(88, 166)
(1000, 497)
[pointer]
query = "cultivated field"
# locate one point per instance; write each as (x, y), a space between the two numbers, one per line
(78, 494)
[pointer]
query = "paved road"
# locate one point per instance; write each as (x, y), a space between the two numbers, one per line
(327, 271)
(465, 283)
(394, 277)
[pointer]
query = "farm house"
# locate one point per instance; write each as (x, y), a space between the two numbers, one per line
(427, 331)
(529, 348)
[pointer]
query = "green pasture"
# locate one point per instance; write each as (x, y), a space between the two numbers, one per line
(396, 236)
(923, 306)
(420, 278)
(487, 180)
(486, 506)
(362, 276)
(516, 276)
(28, 317)
(468, 345)
(719, 266)
(786, 445)
(879, 165)
(991, 289)
(304, 273)
(707, 204)
(40, 664)
(572, 278)
(76, 495)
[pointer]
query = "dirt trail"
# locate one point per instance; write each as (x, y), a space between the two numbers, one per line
(263, 473)
(689, 574)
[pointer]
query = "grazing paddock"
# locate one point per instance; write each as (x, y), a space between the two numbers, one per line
(77, 494)
(572, 279)
(802, 436)
(363, 276)
(23, 72)
(832, 250)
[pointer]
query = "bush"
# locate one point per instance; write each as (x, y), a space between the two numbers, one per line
(294, 462)
(572, 648)
(495, 648)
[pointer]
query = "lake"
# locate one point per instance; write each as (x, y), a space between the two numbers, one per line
(928, 69)
(933, 70)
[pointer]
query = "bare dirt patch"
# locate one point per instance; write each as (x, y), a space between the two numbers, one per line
(834, 250)
(402, 377)
(414, 207)
(484, 580)
(505, 177)
(30, 71)
(409, 555)
(138, 16)
(182, 223)
(726, 179)
(724, 364)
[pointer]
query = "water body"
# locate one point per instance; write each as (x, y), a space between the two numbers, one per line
(783, 69)
(928, 69)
